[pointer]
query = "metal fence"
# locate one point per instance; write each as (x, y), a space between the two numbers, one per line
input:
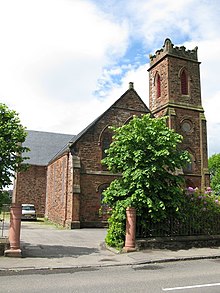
(173, 226)
(3, 228)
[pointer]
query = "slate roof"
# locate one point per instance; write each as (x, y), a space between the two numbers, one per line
(44, 146)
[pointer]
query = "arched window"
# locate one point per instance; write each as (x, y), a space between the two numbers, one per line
(158, 83)
(106, 141)
(103, 211)
(189, 167)
(128, 120)
(101, 189)
(184, 82)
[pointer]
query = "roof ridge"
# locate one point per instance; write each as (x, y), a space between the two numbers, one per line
(41, 131)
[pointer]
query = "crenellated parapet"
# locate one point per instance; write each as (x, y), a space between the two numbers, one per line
(168, 48)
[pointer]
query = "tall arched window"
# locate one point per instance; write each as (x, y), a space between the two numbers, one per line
(184, 82)
(158, 83)
(106, 141)
(103, 211)
(101, 189)
(190, 165)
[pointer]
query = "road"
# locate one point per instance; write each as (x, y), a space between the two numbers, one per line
(186, 276)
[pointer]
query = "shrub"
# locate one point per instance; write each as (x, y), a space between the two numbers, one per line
(201, 210)
(147, 154)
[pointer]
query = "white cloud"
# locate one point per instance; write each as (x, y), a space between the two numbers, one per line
(51, 55)
(208, 54)
(139, 76)
(63, 62)
(212, 106)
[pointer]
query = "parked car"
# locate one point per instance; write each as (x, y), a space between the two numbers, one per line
(28, 212)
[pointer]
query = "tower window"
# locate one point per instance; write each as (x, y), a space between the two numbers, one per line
(158, 86)
(184, 83)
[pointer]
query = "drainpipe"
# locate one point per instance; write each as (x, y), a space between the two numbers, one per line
(66, 197)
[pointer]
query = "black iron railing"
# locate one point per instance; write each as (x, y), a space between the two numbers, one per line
(174, 226)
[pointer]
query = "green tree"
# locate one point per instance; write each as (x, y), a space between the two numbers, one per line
(4, 199)
(12, 135)
(214, 169)
(147, 155)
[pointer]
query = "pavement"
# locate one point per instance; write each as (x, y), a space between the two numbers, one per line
(45, 247)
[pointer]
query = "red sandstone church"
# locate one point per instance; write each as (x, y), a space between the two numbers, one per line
(66, 179)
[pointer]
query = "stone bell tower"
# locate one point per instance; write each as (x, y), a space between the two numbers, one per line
(175, 91)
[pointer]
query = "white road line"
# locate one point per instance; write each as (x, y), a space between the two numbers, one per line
(191, 287)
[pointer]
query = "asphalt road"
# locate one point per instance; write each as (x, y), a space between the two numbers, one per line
(186, 276)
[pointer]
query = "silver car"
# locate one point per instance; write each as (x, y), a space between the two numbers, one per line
(28, 212)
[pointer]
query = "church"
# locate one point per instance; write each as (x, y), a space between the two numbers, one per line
(67, 184)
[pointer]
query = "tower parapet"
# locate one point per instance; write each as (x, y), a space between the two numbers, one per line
(168, 48)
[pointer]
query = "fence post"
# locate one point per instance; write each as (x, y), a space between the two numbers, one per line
(130, 238)
(14, 231)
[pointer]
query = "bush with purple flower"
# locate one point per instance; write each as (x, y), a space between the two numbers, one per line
(202, 210)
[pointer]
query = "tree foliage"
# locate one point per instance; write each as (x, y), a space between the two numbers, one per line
(4, 199)
(146, 153)
(12, 135)
(214, 169)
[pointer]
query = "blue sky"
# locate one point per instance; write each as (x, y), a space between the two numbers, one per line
(63, 62)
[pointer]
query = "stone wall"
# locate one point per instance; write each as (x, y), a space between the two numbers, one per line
(59, 190)
(169, 70)
(92, 212)
(30, 187)
(178, 242)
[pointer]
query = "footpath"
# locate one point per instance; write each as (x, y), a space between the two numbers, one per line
(46, 247)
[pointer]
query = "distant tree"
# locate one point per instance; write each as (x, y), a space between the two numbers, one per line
(4, 199)
(147, 154)
(214, 169)
(12, 135)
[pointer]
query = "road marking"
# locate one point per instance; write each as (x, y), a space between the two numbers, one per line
(191, 287)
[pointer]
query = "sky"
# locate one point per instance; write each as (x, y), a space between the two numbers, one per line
(64, 62)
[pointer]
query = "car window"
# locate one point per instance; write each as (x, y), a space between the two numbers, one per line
(28, 208)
